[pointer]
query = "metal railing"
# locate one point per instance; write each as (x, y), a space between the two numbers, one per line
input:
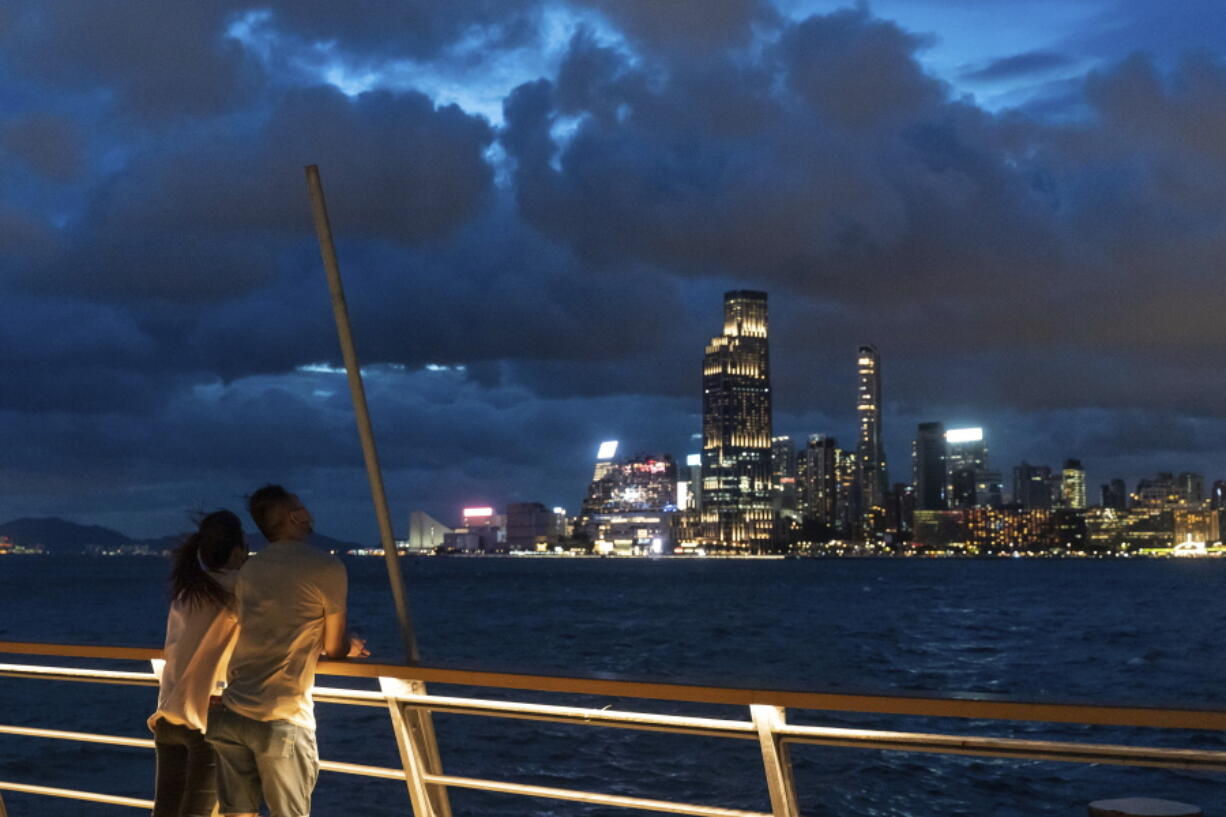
(402, 691)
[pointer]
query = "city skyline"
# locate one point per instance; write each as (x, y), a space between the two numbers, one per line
(538, 207)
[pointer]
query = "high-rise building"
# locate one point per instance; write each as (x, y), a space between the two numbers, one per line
(928, 467)
(1217, 497)
(1159, 493)
(783, 476)
(1115, 495)
(1191, 487)
(848, 513)
(818, 476)
(870, 451)
(646, 482)
(530, 525)
(1033, 486)
(1073, 485)
(737, 512)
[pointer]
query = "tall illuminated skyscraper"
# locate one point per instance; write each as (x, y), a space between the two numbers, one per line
(737, 512)
(870, 452)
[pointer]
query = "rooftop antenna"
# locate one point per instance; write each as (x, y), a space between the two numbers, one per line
(340, 311)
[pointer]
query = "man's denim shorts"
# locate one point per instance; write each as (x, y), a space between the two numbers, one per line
(271, 761)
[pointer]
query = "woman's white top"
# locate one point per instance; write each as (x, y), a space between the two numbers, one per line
(199, 639)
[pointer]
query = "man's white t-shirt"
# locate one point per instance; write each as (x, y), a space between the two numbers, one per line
(283, 594)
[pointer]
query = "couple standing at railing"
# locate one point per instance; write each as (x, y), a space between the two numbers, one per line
(235, 724)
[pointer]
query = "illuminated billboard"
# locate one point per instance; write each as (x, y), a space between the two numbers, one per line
(469, 513)
(964, 435)
(693, 459)
(607, 450)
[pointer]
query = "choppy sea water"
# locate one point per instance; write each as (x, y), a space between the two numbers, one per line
(1107, 631)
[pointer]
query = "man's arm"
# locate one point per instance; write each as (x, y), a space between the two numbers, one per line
(336, 645)
(337, 642)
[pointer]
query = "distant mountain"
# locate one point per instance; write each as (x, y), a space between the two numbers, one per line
(258, 541)
(328, 543)
(60, 535)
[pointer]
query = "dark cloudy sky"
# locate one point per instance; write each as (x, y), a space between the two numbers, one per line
(1022, 203)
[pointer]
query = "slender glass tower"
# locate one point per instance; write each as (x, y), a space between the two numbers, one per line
(737, 510)
(874, 482)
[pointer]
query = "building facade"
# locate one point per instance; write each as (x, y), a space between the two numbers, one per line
(737, 514)
(928, 467)
(1073, 486)
(873, 479)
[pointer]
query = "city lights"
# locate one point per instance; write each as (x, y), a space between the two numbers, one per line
(963, 435)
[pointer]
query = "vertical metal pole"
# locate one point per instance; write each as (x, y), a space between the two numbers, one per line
(3, 811)
(341, 312)
(414, 730)
(775, 761)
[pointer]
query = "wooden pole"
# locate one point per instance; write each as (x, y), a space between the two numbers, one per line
(341, 312)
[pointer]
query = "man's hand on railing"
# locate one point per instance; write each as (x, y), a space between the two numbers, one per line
(357, 647)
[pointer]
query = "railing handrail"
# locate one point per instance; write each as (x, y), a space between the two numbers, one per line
(959, 705)
(403, 692)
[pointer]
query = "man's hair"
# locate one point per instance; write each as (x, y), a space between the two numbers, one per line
(268, 507)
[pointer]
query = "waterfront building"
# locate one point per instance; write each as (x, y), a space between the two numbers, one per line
(1147, 528)
(873, 480)
(636, 533)
(939, 532)
(1196, 525)
(1073, 485)
(737, 513)
(689, 484)
(1191, 487)
(817, 476)
(481, 531)
(1159, 493)
(928, 467)
(966, 458)
(991, 530)
(899, 511)
(532, 526)
(1033, 486)
(1217, 496)
(645, 482)
(1105, 528)
(425, 532)
(847, 503)
(1070, 529)
(1115, 495)
(783, 477)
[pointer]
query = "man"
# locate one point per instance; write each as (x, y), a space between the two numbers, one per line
(291, 606)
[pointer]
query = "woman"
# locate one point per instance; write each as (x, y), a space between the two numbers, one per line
(200, 634)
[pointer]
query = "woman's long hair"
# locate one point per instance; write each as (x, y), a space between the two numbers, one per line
(209, 548)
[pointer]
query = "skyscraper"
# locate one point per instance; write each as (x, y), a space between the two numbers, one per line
(737, 513)
(783, 477)
(1073, 485)
(818, 477)
(870, 453)
(1033, 486)
(929, 467)
(1115, 495)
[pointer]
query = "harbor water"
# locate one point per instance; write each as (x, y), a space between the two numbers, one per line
(1139, 631)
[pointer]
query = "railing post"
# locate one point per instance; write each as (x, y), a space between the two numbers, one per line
(414, 730)
(775, 761)
(3, 811)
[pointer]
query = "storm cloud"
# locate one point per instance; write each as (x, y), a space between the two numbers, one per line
(526, 282)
